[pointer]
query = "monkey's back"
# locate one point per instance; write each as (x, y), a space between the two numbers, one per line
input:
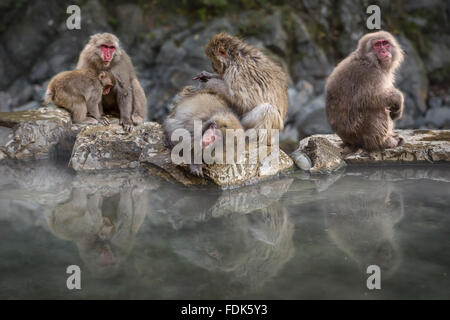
(73, 85)
(196, 105)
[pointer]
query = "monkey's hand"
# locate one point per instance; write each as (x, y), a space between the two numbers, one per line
(396, 105)
(127, 124)
(196, 169)
(204, 76)
(104, 121)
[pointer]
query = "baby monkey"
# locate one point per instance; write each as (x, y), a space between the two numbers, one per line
(80, 91)
(206, 106)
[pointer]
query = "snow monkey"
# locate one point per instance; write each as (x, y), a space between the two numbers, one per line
(361, 100)
(254, 85)
(80, 92)
(103, 53)
(206, 106)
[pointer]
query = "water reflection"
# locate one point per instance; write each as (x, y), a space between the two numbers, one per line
(362, 222)
(159, 240)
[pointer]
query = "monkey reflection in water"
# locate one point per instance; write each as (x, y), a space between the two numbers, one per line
(362, 223)
(251, 248)
(103, 226)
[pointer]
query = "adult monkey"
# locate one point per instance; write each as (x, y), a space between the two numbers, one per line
(255, 86)
(361, 100)
(103, 53)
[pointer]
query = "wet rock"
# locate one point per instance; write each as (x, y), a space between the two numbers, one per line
(157, 160)
(100, 147)
(313, 119)
(323, 151)
(33, 134)
(421, 146)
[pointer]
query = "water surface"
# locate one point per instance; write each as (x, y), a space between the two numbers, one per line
(294, 237)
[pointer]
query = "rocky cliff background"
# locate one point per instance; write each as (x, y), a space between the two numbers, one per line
(165, 40)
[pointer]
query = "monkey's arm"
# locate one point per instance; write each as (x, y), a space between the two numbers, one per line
(395, 103)
(124, 102)
(220, 87)
(204, 76)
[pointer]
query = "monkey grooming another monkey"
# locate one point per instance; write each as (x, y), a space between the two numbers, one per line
(206, 106)
(80, 92)
(361, 100)
(103, 53)
(255, 86)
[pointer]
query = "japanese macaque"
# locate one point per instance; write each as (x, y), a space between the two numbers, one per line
(209, 108)
(361, 100)
(255, 86)
(103, 53)
(80, 92)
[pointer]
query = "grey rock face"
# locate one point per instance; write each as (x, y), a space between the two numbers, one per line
(35, 134)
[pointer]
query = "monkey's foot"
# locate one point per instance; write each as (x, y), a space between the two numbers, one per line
(400, 140)
(127, 125)
(196, 169)
(393, 141)
(137, 120)
(89, 120)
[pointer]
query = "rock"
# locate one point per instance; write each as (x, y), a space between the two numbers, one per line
(99, 147)
(131, 22)
(157, 160)
(324, 153)
(438, 117)
(298, 97)
(312, 119)
(33, 134)
(421, 146)
(413, 82)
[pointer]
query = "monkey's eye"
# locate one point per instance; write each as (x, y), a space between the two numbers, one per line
(377, 44)
(385, 43)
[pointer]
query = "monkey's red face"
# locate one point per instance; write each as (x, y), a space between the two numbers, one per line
(211, 134)
(107, 53)
(383, 50)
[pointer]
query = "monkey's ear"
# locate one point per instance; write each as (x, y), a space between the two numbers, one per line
(222, 52)
(101, 75)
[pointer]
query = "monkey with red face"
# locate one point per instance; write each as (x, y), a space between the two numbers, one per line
(361, 100)
(103, 53)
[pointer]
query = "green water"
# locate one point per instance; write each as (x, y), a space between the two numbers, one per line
(294, 237)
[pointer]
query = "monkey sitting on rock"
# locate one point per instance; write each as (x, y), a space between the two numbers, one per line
(80, 92)
(254, 85)
(212, 110)
(361, 100)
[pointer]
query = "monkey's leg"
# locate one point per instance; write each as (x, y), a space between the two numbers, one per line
(80, 114)
(94, 111)
(124, 101)
(264, 116)
(139, 103)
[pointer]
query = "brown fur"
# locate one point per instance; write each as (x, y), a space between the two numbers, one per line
(204, 105)
(128, 96)
(255, 86)
(80, 92)
(361, 100)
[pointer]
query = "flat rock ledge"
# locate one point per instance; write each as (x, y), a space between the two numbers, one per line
(49, 133)
(323, 153)
(109, 147)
